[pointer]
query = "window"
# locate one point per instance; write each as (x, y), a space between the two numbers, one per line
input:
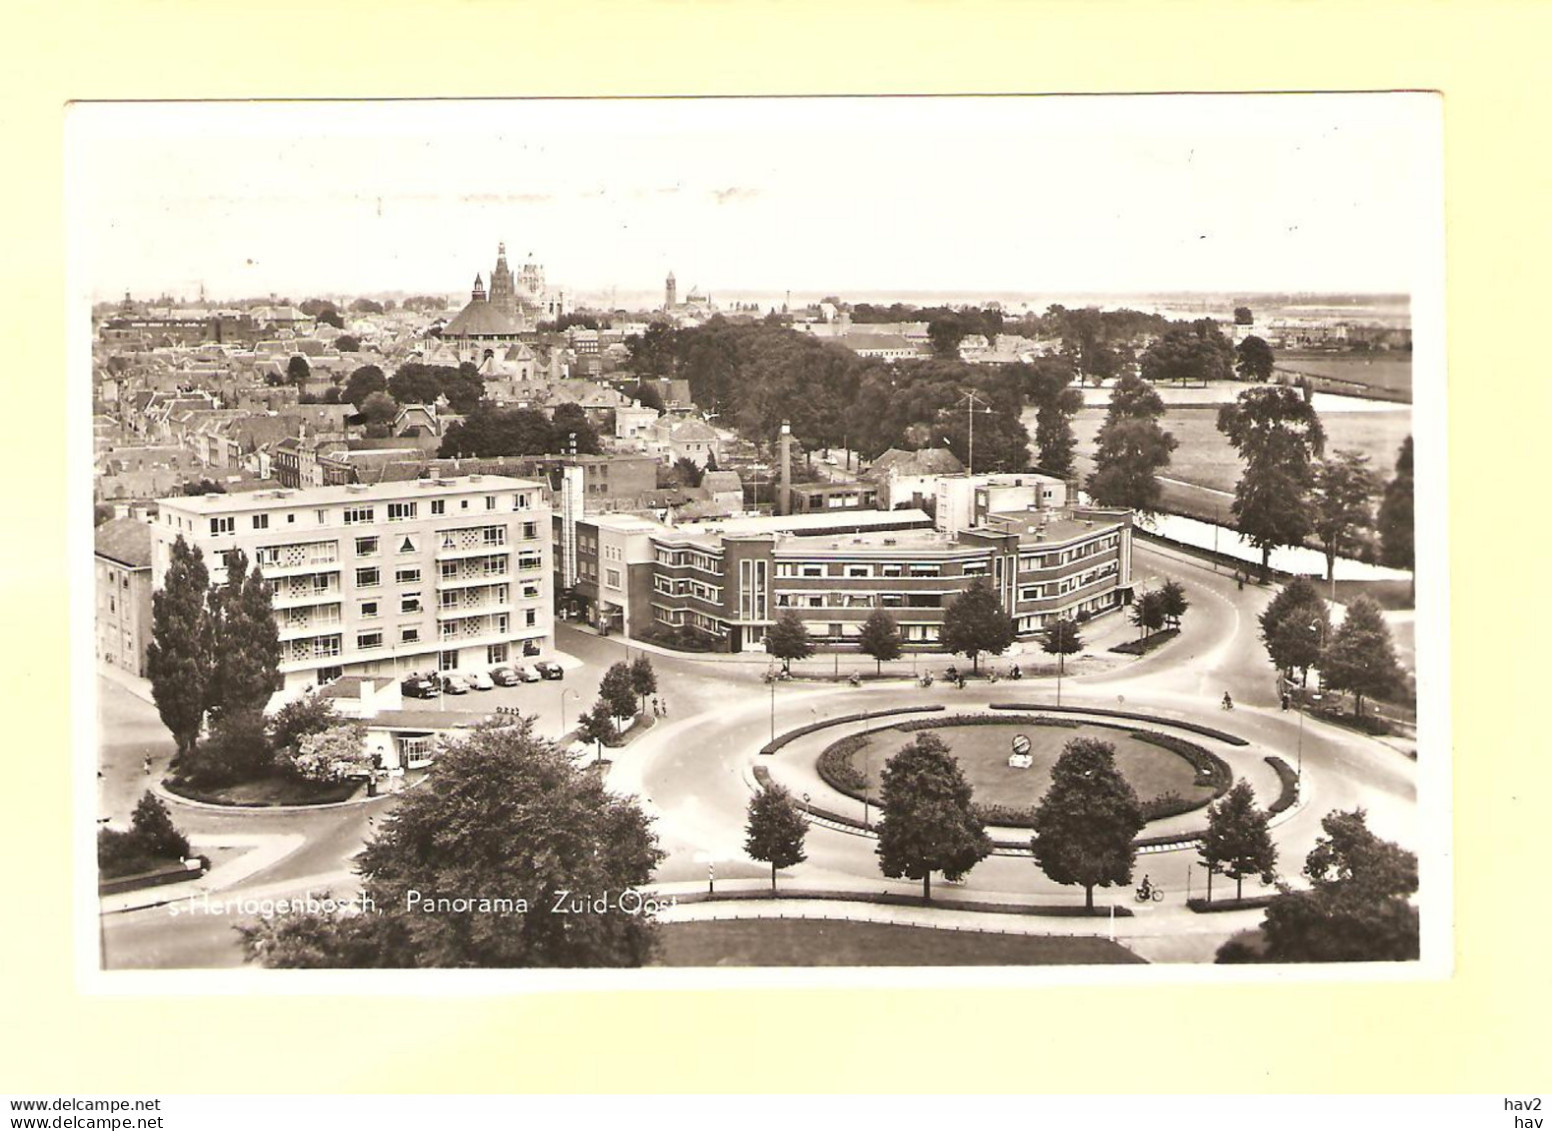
(612, 578)
(859, 571)
(329, 675)
(448, 661)
(261, 522)
(407, 545)
(291, 517)
(409, 636)
(521, 503)
(359, 514)
(410, 603)
(930, 570)
(366, 547)
(406, 576)
(369, 608)
(891, 570)
(530, 617)
(323, 517)
(496, 654)
(399, 512)
(365, 640)
(974, 569)
(448, 599)
(222, 525)
(813, 571)
(530, 530)
(438, 506)
(449, 571)
(490, 502)
(366, 578)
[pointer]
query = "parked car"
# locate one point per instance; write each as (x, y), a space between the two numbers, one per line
(549, 669)
(479, 681)
(527, 675)
(419, 687)
(454, 684)
(503, 675)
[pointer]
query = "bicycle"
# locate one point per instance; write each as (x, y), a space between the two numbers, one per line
(1146, 892)
(1227, 704)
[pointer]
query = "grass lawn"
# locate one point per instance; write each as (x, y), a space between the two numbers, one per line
(808, 942)
(275, 790)
(1385, 370)
(983, 754)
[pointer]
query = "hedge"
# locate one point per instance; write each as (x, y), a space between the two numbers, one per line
(1289, 781)
(1111, 712)
(1251, 904)
(1211, 770)
(810, 728)
(1368, 724)
(1061, 910)
(1148, 643)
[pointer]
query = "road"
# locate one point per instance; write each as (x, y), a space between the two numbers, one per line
(693, 770)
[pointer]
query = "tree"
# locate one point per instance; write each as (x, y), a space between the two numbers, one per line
(976, 622)
(1085, 823)
(379, 409)
(775, 830)
(1062, 639)
(1255, 359)
(928, 821)
(597, 725)
(1343, 488)
(945, 334)
(180, 657)
(362, 383)
(306, 715)
(788, 640)
(329, 317)
(1198, 352)
(1277, 433)
(1172, 599)
(880, 638)
(1148, 612)
(347, 343)
(688, 472)
(333, 755)
(1048, 385)
(1132, 449)
(366, 306)
(1395, 515)
(1237, 841)
(1294, 626)
(507, 833)
(617, 691)
(1361, 657)
(298, 371)
(572, 429)
(1243, 316)
(246, 671)
(151, 825)
(643, 679)
(1358, 907)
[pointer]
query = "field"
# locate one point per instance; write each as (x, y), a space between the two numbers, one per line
(983, 752)
(811, 942)
(1200, 480)
(1385, 370)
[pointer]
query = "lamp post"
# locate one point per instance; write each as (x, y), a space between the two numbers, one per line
(867, 776)
(773, 710)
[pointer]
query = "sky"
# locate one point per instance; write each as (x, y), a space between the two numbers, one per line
(858, 197)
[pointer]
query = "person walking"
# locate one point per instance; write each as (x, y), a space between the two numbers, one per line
(145, 764)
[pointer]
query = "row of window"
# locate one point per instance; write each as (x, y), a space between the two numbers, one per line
(352, 515)
(856, 569)
(859, 600)
(1028, 562)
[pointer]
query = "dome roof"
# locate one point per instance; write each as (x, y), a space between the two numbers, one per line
(481, 319)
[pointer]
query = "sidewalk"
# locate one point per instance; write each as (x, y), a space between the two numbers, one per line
(264, 850)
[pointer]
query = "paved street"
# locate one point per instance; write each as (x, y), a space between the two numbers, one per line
(693, 771)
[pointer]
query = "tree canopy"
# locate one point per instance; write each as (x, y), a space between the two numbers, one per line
(1342, 494)
(1361, 656)
(504, 828)
(928, 821)
(1085, 823)
(180, 657)
(1254, 359)
(1395, 515)
(788, 640)
(880, 637)
(1295, 626)
(775, 830)
(1197, 352)
(1132, 449)
(1278, 434)
(975, 622)
(1238, 842)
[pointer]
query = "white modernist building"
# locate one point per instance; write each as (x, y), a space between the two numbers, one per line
(384, 579)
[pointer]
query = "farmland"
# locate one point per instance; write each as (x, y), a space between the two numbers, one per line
(1389, 371)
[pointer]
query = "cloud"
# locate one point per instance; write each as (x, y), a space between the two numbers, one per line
(735, 194)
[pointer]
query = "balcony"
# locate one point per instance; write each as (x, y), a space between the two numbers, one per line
(302, 623)
(292, 594)
(474, 541)
(300, 557)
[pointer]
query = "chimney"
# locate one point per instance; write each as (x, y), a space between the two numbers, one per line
(784, 491)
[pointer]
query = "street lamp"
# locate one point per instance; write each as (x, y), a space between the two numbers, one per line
(773, 710)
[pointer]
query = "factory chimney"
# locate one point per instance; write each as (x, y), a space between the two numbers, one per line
(784, 491)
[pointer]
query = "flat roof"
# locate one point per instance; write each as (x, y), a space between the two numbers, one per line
(351, 493)
(877, 542)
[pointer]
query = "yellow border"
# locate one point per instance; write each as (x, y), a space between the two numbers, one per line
(1482, 1030)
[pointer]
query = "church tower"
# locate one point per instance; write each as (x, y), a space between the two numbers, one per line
(503, 295)
(670, 293)
(478, 294)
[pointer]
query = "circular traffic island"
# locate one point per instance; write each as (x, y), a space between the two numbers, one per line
(1007, 760)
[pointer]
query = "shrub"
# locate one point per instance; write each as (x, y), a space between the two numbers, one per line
(681, 638)
(1084, 616)
(237, 749)
(992, 813)
(1169, 804)
(332, 755)
(1369, 724)
(835, 765)
(308, 715)
(1147, 644)
(1250, 903)
(792, 735)
(152, 824)
(1112, 713)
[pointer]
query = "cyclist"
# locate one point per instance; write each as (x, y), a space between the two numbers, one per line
(1228, 703)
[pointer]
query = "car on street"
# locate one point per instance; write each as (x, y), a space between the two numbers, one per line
(454, 684)
(504, 676)
(549, 669)
(527, 675)
(419, 687)
(479, 681)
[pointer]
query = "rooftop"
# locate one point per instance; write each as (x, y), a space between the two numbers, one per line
(351, 493)
(126, 541)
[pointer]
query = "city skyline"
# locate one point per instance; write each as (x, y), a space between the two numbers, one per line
(1208, 194)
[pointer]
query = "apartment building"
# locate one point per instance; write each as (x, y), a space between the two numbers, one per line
(385, 579)
(1046, 560)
